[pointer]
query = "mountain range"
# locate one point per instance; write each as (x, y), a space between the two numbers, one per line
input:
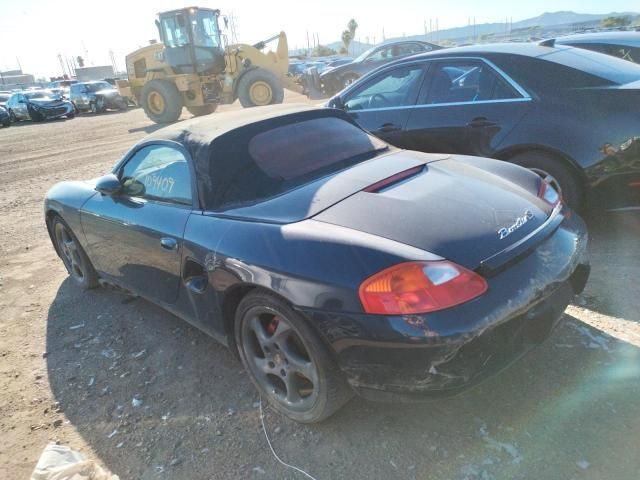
(563, 20)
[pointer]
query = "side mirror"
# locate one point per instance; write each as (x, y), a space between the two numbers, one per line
(108, 185)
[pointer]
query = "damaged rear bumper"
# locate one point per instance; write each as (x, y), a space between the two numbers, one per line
(408, 358)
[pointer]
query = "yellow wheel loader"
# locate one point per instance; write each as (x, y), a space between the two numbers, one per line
(192, 68)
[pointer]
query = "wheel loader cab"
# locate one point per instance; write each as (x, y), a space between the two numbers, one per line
(192, 40)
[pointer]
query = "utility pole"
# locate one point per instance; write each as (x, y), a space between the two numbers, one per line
(308, 44)
(19, 66)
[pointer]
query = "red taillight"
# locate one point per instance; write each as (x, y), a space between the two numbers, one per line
(398, 177)
(420, 287)
(548, 193)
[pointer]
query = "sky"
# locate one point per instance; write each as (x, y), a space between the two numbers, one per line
(34, 32)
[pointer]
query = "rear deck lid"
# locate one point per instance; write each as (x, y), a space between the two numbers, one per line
(452, 209)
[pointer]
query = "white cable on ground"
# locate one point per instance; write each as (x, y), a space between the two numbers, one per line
(264, 429)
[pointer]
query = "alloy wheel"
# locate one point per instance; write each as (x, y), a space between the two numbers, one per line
(70, 253)
(278, 359)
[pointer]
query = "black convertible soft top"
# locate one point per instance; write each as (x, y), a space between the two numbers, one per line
(219, 146)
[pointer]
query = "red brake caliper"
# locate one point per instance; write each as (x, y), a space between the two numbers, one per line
(272, 326)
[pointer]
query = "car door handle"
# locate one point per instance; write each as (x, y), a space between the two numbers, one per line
(168, 243)
(481, 122)
(389, 127)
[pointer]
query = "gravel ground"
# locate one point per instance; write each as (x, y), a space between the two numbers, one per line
(152, 398)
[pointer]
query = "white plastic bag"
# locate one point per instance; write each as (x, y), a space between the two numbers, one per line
(59, 462)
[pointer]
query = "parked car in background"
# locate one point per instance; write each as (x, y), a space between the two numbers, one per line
(339, 61)
(625, 45)
(337, 78)
(570, 115)
(4, 97)
(38, 105)
(5, 120)
(96, 97)
(422, 274)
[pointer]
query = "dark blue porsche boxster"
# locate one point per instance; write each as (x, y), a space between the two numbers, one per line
(330, 261)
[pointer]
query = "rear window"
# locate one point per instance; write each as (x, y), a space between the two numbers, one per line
(285, 157)
(542, 76)
(612, 69)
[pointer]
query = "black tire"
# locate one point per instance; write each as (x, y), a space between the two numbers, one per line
(34, 115)
(12, 117)
(73, 256)
(161, 101)
(97, 106)
(296, 359)
(202, 109)
(259, 87)
(6, 123)
(563, 176)
(71, 116)
(348, 79)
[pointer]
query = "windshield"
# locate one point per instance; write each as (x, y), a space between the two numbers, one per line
(205, 29)
(95, 87)
(39, 94)
(362, 56)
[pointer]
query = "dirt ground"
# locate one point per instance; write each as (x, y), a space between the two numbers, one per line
(72, 363)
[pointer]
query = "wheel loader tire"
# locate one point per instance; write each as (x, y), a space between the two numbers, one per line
(161, 101)
(259, 87)
(202, 109)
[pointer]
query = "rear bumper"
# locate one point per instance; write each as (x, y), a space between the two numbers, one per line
(411, 357)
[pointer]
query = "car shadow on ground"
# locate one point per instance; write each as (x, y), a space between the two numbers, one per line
(615, 259)
(155, 398)
(148, 128)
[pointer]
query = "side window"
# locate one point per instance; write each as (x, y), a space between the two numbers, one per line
(395, 88)
(158, 172)
(466, 81)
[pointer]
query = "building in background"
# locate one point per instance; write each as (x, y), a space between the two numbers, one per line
(87, 74)
(14, 79)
